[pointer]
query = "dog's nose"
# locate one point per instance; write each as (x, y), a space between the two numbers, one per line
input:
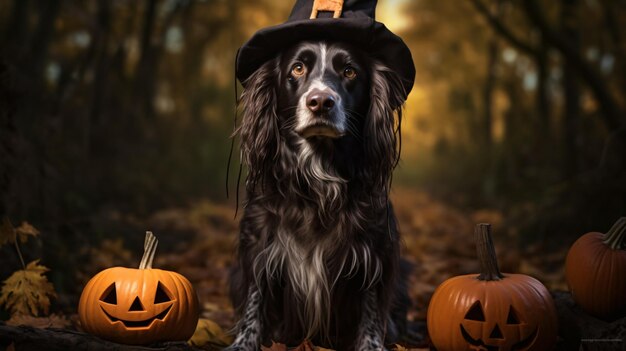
(320, 101)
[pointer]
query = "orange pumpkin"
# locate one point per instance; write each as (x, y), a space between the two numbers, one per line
(491, 311)
(139, 306)
(595, 270)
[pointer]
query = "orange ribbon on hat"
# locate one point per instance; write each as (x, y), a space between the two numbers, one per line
(334, 6)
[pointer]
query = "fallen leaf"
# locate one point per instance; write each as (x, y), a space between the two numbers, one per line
(51, 321)
(25, 230)
(305, 346)
(27, 291)
(275, 347)
(209, 333)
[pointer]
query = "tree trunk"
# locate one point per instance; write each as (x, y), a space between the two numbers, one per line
(493, 49)
(102, 63)
(15, 30)
(571, 91)
(146, 67)
(612, 113)
(38, 51)
(490, 81)
(611, 13)
(542, 98)
(8, 133)
(512, 116)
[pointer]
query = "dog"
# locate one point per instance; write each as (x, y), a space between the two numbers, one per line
(318, 252)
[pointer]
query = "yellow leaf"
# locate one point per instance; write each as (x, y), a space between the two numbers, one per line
(27, 291)
(305, 346)
(25, 230)
(209, 333)
(8, 234)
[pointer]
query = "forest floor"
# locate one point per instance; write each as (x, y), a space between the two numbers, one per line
(199, 241)
(437, 238)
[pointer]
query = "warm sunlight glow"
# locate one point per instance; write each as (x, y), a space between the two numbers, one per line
(390, 12)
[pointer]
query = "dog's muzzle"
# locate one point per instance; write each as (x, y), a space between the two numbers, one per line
(320, 130)
(322, 112)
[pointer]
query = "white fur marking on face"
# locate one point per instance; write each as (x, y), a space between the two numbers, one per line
(323, 57)
(304, 117)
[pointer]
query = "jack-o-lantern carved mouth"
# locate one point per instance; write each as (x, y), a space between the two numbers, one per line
(138, 324)
(476, 314)
(480, 344)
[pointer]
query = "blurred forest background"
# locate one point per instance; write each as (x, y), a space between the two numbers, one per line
(115, 117)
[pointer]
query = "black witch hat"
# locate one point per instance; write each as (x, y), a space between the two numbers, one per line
(350, 21)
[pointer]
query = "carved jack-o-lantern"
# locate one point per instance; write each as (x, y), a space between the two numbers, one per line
(139, 306)
(491, 311)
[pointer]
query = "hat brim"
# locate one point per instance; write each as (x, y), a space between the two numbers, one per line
(371, 36)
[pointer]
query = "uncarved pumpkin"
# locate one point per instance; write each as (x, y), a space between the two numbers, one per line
(491, 310)
(595, 270)
(139, 306)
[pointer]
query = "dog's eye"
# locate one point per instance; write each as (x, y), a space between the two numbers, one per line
(349, 72)
(297, 69)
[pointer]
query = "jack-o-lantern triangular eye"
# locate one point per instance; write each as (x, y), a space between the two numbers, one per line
(109, 295)
(475, 312)
(512, 317)
(161, 294)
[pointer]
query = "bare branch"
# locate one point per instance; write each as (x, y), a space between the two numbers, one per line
(588, 73)
(612, 25)
(503, 30)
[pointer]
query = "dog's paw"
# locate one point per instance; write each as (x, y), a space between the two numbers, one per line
(380, 348)
(246, 346)
(371, 345)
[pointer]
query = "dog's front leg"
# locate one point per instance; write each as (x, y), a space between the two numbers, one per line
(371, 334)
(249, 333)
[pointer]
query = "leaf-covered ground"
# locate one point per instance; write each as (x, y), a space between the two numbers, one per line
(438, 240)
(199, 242)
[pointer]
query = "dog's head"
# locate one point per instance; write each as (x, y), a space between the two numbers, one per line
(329, 103)
(325, 88)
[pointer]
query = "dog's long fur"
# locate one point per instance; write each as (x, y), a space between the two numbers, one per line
(318, 254)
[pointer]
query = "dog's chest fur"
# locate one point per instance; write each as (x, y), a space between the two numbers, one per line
(309, 258)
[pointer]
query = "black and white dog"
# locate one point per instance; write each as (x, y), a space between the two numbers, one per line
(319, 248)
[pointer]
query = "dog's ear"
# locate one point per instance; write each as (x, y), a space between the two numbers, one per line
(381, 132)
(259, 127)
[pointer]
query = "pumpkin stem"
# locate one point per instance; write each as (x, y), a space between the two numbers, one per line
(149, 248)
(486, 253)
(615, 238)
